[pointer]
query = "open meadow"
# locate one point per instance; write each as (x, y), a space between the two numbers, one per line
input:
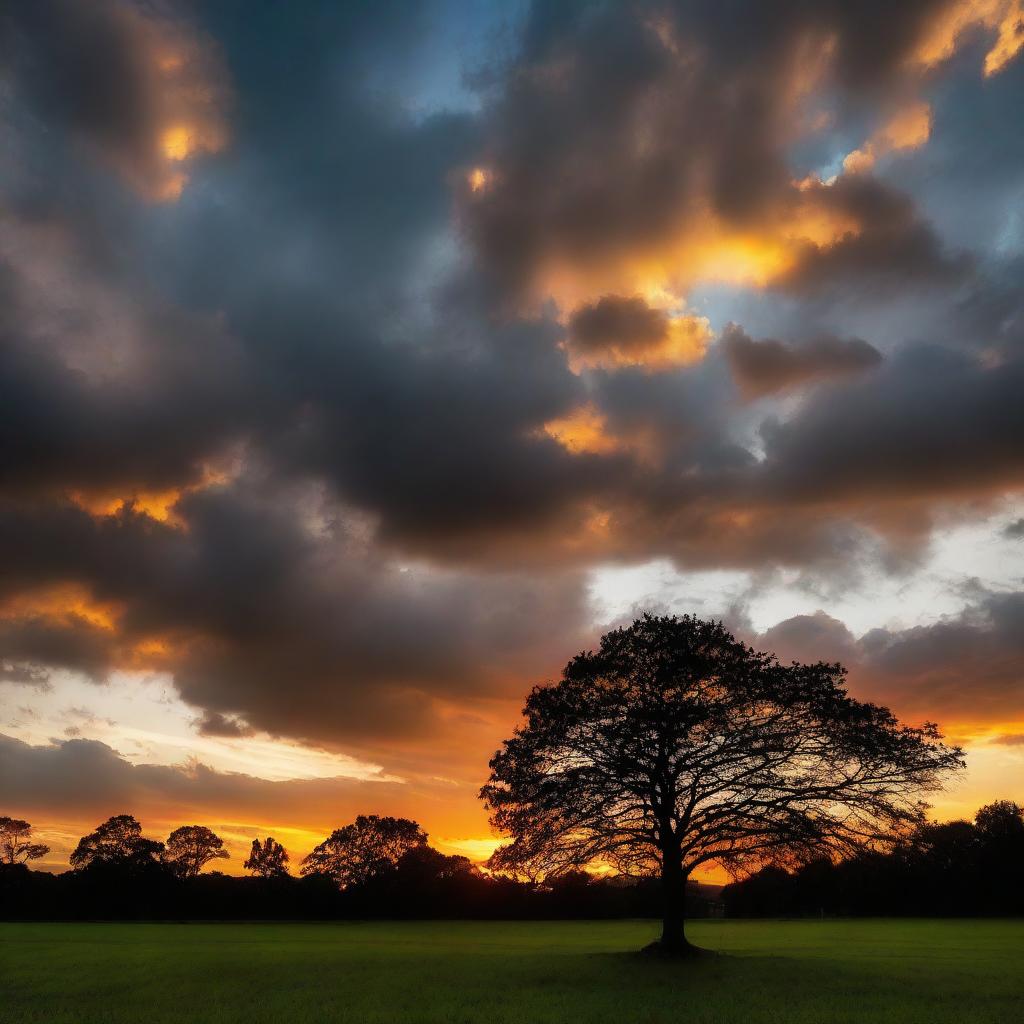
(781, 971)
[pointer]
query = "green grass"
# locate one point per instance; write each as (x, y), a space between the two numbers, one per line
(786, 972)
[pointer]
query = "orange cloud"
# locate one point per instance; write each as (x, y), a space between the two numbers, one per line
(583, 432)
(478, 179)
(909, 128)
(157, 504)
(703, 248)
(62, 602)
(1003, 17)
(1009, 40)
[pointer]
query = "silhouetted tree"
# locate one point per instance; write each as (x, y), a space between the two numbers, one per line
(674, 745)
(267, 859)
(16, 846)
(940, 869)
(190, 848)
(424, 865)
(366, 848)
(1000, 820)
(1000, 860)
(765, 893)
(118, 841)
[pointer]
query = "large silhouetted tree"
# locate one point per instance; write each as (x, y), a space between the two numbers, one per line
(363, 850)
(675, 746)
(118, 841)
(16, 846)
(190, 848)
(267, 859)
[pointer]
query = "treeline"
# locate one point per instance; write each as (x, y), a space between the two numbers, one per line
(376, 867)
(956, 869)
(382, 867)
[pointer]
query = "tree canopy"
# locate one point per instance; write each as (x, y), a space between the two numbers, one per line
(368, 847)
(190, 848)
(16, 846)
(268, 859)
(675, 745)
(118, 841)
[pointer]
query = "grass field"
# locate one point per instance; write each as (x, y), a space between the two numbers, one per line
(803, 971)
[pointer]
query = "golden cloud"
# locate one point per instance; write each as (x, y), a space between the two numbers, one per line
(1003, 17)
(583, 432)
(61, 603)
(157, 504)
(909, 128)
(702, 248)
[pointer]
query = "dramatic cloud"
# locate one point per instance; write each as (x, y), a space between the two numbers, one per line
(763, 367)
(907, 129)
(626, 331)
(272, 608)
(965, 668)
(143, 93)
(676, 167)
(930, 424)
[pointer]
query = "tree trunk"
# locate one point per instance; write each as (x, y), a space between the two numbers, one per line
(673, 929)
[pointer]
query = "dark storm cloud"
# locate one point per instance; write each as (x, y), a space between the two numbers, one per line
(929, 422)
(179, 396)
(212, 723)
(892, 251)
(441, 442)
(763, 367)
(141, 91)
(619, 322)
(66, 641)
(620, 330)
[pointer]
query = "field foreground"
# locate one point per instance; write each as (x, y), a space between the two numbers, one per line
(863, 971)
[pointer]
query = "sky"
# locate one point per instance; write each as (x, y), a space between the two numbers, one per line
(361, 363)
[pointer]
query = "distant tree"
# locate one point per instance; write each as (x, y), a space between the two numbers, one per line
(16, 846)
(425, 865)
(1000, 828)
(1002, 819)
(765, 893)
(367, 848)
(267, 859)
(190, 848)
(118, 841)
(674, 746)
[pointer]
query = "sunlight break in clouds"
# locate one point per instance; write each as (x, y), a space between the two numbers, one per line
(142, 717)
